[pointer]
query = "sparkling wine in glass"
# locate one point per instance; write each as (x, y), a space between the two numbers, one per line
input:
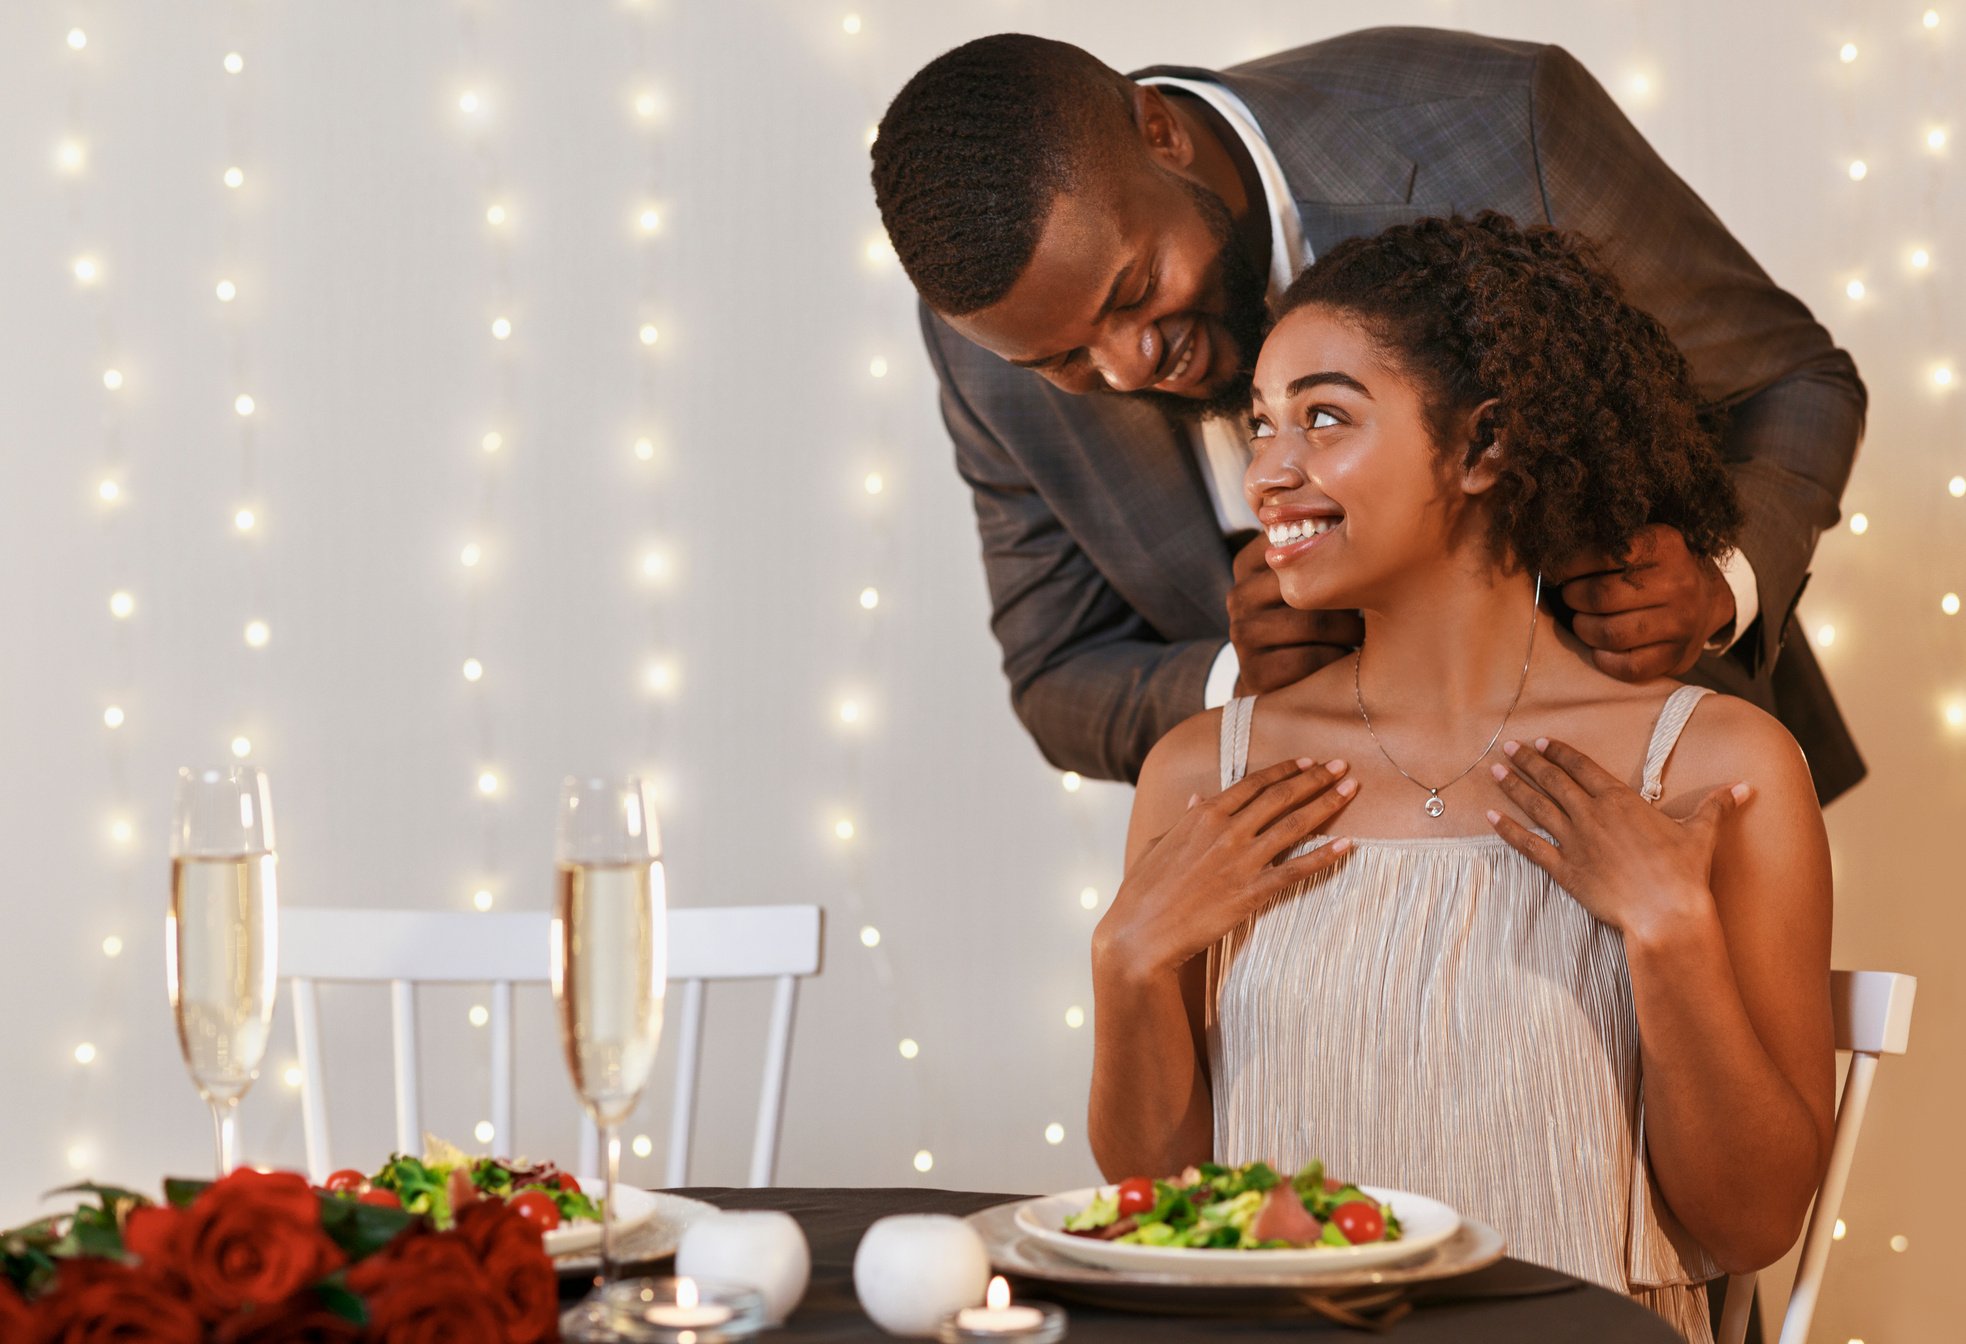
(220, 935)
(610, 970)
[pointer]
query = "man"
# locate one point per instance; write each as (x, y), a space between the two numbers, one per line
(1094, 251)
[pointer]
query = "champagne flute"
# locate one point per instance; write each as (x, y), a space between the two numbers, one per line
(610, 971)
(220, 935)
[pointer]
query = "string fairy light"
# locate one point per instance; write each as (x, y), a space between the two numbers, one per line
(868, 491)
(497, 240)
(233, 322)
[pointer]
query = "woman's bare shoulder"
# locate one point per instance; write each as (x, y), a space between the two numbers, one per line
(1187, 760)
(1729, 740)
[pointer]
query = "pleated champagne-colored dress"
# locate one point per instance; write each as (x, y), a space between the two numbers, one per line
(1438, 1015)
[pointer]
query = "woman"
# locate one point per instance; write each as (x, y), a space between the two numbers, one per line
(1576, 983)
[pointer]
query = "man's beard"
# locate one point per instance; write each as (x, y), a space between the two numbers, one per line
(1246, 293)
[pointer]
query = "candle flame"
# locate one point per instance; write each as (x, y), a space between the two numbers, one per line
(686, 1292)
(998, 1296)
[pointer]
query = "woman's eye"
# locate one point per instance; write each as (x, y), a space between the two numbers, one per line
(1323, 419)
(1260, 429)
(1146, 293)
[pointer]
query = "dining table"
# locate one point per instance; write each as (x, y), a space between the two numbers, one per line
(1506, 1303)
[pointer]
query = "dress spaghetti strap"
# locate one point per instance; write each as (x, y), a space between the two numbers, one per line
(1665, 736)
(1236, 716)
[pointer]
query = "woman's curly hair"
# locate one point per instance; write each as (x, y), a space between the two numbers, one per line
(1600, 431)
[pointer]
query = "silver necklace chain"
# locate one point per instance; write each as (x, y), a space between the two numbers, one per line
(1435, 804)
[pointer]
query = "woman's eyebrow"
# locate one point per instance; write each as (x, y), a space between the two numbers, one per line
(1326, 377)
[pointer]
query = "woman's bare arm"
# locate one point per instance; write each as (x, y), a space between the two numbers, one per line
(1725, 914)
(1193, 873)
(1734, 1015)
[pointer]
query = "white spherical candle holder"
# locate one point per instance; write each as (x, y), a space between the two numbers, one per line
(914, 1269)
(761, 1248)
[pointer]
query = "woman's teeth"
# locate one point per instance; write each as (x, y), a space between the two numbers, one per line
(1282, 534)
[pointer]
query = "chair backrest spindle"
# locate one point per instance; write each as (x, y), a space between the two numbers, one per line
(689, 1051)
(1872, 1011)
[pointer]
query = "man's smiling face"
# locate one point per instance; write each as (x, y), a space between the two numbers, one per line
(1138, 287)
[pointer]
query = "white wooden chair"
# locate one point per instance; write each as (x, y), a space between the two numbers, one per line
(1873, 1018)
(404, 948)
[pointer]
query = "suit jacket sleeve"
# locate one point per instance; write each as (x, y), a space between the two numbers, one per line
(1794, 403)
(1093, 683)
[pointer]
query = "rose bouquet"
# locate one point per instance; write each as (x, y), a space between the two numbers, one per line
(256, 1257)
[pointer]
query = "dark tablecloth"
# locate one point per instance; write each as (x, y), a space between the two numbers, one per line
(1508, 1303)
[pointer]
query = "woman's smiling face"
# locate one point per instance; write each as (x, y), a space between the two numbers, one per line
(1344, 473)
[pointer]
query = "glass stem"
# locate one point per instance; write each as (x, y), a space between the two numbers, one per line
(223, 1133)
(611, 1155)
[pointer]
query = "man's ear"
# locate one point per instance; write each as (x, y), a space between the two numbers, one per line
(1163, 134)
(1481, 459)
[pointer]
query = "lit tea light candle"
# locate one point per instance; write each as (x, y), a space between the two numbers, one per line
(997, 1319)
(996, 1316)
(688, 1312)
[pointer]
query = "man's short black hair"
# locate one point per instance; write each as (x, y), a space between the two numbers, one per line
(974, 148)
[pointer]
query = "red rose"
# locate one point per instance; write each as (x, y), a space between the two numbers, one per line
(14, 1314)
(512, 1253)
(250, 1239)
(150, 1233)
(107, 1302)
(301, 1319)
(427, 1289)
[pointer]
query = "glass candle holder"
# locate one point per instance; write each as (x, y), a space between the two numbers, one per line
(1000, 1321)
(682, 1310)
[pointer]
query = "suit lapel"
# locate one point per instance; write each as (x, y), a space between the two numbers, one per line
(1143, 497)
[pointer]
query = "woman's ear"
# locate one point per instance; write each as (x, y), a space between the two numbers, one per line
(1481, 462)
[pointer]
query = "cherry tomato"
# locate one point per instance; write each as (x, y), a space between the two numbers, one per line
(536, 1207)
(1136, 1195)
(347, 1181)
(1359, 1221)
(387, 1199)
(566, 1182)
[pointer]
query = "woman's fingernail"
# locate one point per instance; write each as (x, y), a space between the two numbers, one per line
(1494, 817)
(1341, 845)
(1305, 762)
(1510, 748)
(1338, 765)
(1348, 788)
(1542, 744)
(1193, 798)
(1741, 791)
(1499, 770)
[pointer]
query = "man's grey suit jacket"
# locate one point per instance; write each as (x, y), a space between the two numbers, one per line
(1107, 569)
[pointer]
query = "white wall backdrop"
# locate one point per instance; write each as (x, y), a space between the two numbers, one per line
(635, 242)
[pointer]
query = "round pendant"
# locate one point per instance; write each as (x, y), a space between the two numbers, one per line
(1434, 805)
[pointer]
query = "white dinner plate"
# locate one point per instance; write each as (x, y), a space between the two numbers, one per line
(633, 1207)
(1424, 1224)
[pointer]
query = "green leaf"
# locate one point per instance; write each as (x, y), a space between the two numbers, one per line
(336, 1298)
(179, 1192)
(1259, 1176)
(40, 1232)
(110, 1195)
(28, 1269)
(1172, 1207)
(362, 1229)
(95, 1239)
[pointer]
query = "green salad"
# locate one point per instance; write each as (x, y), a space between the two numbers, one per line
(1246, 1208)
